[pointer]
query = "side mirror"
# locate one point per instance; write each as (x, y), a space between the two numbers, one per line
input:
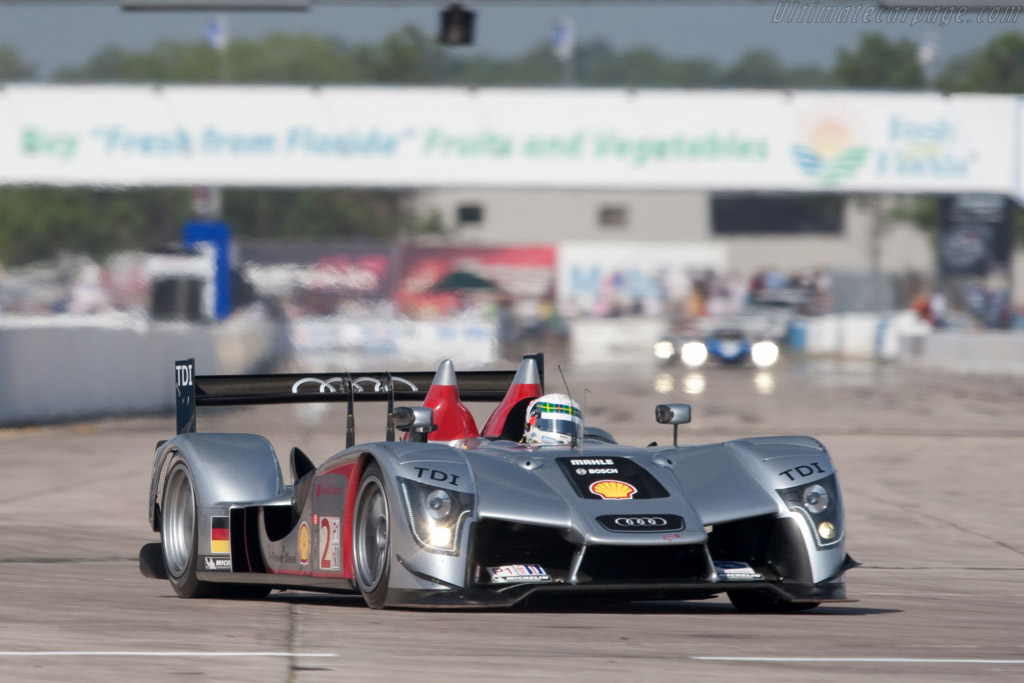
(417, 420)
(673, 414)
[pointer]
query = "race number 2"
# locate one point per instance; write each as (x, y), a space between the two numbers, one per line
(330, 544)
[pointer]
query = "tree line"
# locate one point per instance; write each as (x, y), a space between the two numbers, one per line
(35, 222)
(410, 56)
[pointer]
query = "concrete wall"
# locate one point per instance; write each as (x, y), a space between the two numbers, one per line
(76, 368)
(68, 367)
(904, 338)
(614, 342)
(856, 335)
(896, 336)
(992, 352)
(72, 368)
(1017, 276)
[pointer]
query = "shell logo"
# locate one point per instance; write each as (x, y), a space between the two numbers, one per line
(610, 489)
(304, 544)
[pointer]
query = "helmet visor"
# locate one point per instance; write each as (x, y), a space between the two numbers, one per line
(558, 424)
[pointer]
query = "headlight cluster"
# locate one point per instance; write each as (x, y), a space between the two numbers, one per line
(436, 515)
(764, 354)
(818, 503)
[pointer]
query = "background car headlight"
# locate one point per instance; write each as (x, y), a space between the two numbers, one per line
(764, 353)
(694, 354)
(436, 516)
(664, 349)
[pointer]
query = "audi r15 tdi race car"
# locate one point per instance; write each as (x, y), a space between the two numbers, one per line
(449, 515)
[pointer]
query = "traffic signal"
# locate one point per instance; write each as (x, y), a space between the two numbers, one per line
(456, 26)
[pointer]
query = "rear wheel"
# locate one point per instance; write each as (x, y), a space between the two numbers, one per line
(372, 538)
(766, 602)
(179, 535)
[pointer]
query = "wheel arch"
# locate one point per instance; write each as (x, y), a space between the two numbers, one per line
(782, 463)
(347, 536)
(227, 469)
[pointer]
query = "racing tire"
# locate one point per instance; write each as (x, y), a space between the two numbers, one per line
(371, 541)
(766, 602)
(179, 534)
(179, 541)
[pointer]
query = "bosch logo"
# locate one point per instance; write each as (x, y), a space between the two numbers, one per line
(641, 523)
(653, 522)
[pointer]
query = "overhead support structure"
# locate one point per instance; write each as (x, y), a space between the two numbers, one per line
(216, 5)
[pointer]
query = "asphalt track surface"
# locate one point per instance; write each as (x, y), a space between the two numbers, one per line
(931, 468)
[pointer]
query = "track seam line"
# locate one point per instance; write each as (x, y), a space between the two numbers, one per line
(292, 668)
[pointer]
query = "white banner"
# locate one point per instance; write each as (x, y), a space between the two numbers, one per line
(1019, 149)
(492, 137)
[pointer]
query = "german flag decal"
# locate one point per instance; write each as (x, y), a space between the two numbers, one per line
(220, 535)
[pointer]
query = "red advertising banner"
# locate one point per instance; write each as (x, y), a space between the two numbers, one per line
(438, 281)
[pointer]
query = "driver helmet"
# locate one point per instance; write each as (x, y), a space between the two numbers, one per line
(552, 419)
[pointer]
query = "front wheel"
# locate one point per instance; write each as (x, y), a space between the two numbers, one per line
(757, 601)
(372, 539)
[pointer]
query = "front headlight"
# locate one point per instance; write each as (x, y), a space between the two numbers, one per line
(764, 354)
(438, 504)
(816, 498)
(694, 354)
(436, 515)
(818, 503)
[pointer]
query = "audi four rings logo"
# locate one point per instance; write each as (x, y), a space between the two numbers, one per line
(327, 385)
(634, 523)
(641, 521)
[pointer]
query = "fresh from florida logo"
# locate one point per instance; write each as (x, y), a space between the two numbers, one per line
(830, 155)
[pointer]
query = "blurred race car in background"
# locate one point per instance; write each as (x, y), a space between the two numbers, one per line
(724, 345)
(753, 336)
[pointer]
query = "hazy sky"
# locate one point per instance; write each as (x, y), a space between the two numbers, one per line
(54, 34)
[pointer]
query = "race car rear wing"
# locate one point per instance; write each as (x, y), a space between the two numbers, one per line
(192, 391)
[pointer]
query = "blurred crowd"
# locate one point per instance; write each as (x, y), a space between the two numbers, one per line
(521, 301)
(77, 285)
(683, 295)
(970, 302)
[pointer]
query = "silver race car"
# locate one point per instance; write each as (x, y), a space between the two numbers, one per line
(449, 515)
